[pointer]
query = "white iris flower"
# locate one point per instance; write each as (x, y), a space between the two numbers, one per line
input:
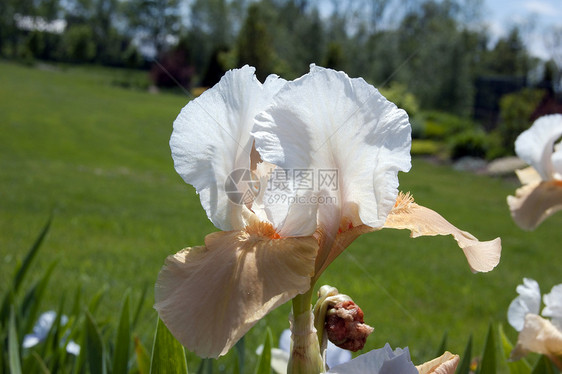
(541, 193)
(274, 246)
(537, 334)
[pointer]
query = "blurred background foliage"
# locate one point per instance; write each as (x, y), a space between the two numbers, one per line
(426, 55)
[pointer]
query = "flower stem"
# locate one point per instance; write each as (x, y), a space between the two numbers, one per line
(305, 350)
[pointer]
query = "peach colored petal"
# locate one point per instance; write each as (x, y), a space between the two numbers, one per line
(210, 296)
(533, 203)
(528, 175)
(333, 247)
(539, 335)
(421, 221)
(445, 364)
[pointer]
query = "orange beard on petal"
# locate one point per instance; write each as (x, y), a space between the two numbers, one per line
(262, 229)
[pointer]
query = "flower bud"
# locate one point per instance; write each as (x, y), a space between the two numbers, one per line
(345, 326)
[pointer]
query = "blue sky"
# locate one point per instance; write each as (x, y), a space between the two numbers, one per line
(534, 17)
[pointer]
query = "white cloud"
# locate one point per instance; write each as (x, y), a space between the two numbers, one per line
(540, 7)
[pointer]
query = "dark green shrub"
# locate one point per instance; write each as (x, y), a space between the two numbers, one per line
(398, 93)
(79, 44)
(515, 113)
(469, 143)
(425, 147)
(441, 125)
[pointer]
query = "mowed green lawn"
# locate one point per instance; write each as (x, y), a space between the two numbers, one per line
(97, 157)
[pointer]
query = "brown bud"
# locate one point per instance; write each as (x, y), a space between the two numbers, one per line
(345, 326)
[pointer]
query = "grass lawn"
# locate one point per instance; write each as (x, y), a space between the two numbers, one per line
(97, 156)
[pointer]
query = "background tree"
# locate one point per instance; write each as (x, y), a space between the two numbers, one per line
(152, 21)
(253, 46)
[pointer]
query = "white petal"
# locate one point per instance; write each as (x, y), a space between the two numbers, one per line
(209, 297)
(538, 335)
(347, 134)
(285, 340)
(211, 139)
(279, 360)
(379, 361)
(533, 203)
(553, 306)
(44, 324)
(528, 301)
(535, 145)
(444, 364)
(30, 340)
(73, 348)
(336, 355)
(291, 211)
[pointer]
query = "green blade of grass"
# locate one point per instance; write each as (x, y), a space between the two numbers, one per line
(464, 367)
(488, 364)
(442, 346)
(22, 271)
(80, 362)
(95, 302)
(168, 355)
(13, 345)
(264, 362)
(515, 367)
(240, 347)
(139, 307)
(121, 354)
(206, 366)
(32, 301)
(143, 360)
(95, 352)
(42, 367)
(543, 366)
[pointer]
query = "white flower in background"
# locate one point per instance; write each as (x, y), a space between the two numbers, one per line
(537, 334)
(41, 330)
(280, 356)
(386, 361)
(541, 193)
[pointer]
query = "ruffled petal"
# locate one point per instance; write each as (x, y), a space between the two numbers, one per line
(379, 361)
(211, 139)
(347, 134)
(534, 203)
(535, 145)
(538, 335)
(421, 221)
(528, 301)
(444, 364)
(210, 296)
(553, 306)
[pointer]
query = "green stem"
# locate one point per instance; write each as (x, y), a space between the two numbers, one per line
(305, 350)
